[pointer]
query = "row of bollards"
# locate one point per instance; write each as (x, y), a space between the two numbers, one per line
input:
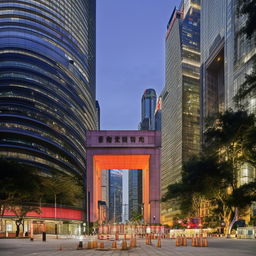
(148, 241)
(95, 245)
(199, 242)
(196, 241)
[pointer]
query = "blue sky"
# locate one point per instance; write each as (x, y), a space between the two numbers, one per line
(130, 57)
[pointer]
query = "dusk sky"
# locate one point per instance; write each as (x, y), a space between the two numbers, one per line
(130, 57)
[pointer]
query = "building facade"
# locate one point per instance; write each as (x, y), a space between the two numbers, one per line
(115, 196)
(180, 98)
(47, 77)
(47, 74)
(226, 56)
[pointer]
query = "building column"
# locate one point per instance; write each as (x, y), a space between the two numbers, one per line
(154, 184)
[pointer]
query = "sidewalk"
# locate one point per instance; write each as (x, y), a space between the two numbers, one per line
(217, 247)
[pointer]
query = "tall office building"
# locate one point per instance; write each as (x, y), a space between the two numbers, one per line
(47, 75)
(180, 97)
(115, 196)
(148, 105)
(226, 56)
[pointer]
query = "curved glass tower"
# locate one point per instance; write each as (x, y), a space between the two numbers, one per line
(47, 82)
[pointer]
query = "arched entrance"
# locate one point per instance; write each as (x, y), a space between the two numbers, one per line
(124, 150)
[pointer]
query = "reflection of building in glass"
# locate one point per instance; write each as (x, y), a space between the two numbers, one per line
(135, 192)
(105, 188)
(47, 74)
(180, 97)
(115, 196)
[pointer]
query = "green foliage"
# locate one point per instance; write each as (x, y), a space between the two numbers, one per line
(22, 187)
(18, 184)
(67, 189)
(229, 143)
(248, 8)
(244, 195)
(136, 217)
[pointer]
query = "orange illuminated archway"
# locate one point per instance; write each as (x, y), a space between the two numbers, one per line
(142, 154)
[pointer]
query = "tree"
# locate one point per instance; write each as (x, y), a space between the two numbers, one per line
(214, 175)
(136, 217)
(207, 179)
(66, 189)
(247, 8)
(19, 186)
(22, 187)
(225, 139)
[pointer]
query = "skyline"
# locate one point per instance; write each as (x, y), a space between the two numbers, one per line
(139, 67)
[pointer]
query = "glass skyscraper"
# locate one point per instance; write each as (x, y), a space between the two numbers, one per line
(227, 55)
(115, 196)
(47, 75)
(148, 106)
(180, 98)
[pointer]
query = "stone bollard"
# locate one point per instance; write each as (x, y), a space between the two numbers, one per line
(193, 241)
(158, 242)
(114, 245)
(131, 243)
(95, 244)
(196, 242)
(184, 241)
(89, 245)
(201, 242)
(205, 242)
(177, 243)
(124, 245)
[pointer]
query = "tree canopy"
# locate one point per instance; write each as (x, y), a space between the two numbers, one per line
(214, 174)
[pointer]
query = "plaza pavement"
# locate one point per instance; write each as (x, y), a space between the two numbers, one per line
(217, 247)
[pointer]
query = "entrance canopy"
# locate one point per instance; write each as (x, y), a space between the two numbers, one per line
(124, 150)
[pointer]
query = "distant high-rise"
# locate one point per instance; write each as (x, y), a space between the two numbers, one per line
(98, 114)
(180, 97)
(158, 114)
(115, 196)
(47, 77)
(135, 192)
(105, 188)
(148, 105)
